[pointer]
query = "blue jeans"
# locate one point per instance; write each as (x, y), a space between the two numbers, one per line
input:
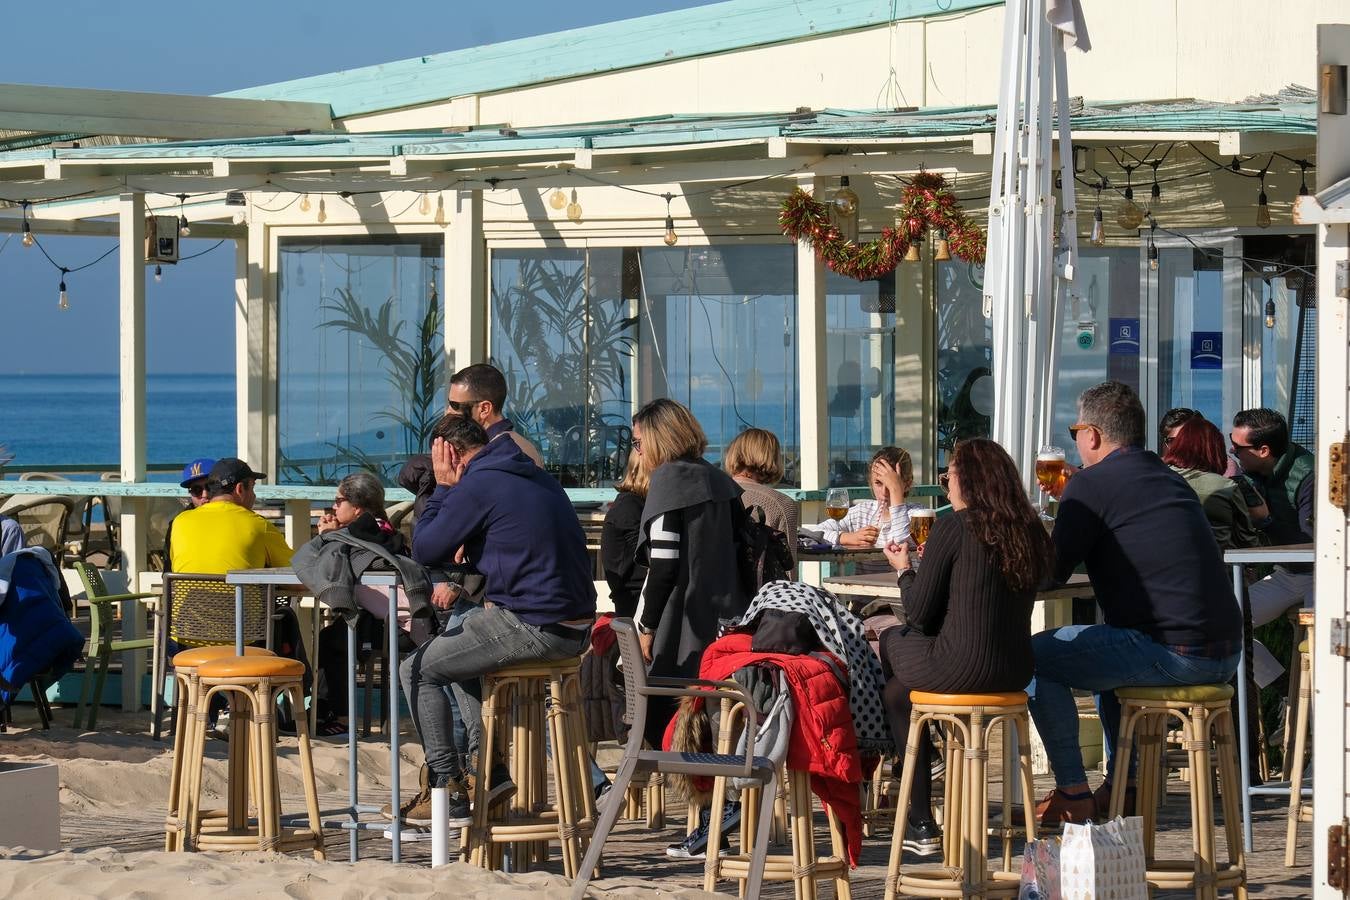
(1101, 658)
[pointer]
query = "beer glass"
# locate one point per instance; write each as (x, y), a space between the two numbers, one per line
(836, 503)
(1050, 474)
(921, 524)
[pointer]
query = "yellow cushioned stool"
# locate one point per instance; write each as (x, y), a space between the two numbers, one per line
(518, 703)
(252, 684)
(1204, 714)
(968, 721)
(1300, 810)
(185, 692)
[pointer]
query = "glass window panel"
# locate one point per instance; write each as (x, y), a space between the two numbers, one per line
(361, 357)
(1278, 340)
(1190, 309)
(965, 384)
(860, 372)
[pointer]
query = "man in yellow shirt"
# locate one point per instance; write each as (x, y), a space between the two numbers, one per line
(225, 533)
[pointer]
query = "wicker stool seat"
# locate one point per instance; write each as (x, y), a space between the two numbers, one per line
(185, 665)
(252, 684)
(519, 702)
(1206, 724)
(969, 721)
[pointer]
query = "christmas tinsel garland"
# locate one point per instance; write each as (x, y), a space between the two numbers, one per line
(926, 202)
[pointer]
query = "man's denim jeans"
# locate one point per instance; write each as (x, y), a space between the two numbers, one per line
(1101, 658)
(482, 642)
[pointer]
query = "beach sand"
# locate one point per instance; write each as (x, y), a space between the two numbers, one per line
(113, 789)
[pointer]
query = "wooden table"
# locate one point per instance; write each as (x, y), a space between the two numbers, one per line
(1289, 553)
(883, 584)
(283, 580)
(841, 555)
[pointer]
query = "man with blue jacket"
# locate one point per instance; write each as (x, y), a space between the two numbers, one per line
(518, 528)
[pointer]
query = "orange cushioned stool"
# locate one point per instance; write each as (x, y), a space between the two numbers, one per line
(253, 684)
(517, 702)
(185, 690)
(968, 721)
(1206, 719)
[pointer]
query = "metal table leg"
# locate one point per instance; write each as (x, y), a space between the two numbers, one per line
(351, 739)
(238, 620)
(1244, 750)
(392, 678)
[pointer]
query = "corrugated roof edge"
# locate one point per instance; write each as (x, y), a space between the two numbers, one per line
(680, 34)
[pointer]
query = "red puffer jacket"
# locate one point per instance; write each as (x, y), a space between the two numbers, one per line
(823, 741)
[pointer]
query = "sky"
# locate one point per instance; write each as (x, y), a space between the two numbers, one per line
(206, 48)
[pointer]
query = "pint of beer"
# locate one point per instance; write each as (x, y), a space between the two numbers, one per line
(1050, 472)
(920, 524)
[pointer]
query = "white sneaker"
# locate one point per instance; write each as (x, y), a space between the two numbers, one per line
(409, 834)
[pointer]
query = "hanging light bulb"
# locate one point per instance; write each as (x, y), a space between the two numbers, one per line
(28, 239)
(1152, 246)
(942, 250)
(1303, 178)
(159, 273)
(671, 237)
(574, 209)
(557, 199)
(1270, 313)
(63, 303)
(440, 210)
(304, 203)
(323, 212)
(845, 207)
(184, 229)
(1130, 216)
(912, 254)
(1098, 236)
(424, 204)
(299, 274)
(1262, 208)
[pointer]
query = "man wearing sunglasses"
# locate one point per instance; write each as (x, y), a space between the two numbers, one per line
(1285, 474)
(194, 480)
(1159, 578)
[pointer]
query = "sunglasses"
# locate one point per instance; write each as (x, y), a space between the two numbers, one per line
(1074, 429)
(196, 490)
(339, 500)
(463, 407)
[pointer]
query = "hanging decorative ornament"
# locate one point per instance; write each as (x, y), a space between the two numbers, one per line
(912, 254)
(845, 208)
(557, 199)
(941, 249)
(926, 202)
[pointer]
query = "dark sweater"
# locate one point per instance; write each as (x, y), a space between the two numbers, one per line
(518, 529)
(618, 552)
(1149, 550)
(969, 631)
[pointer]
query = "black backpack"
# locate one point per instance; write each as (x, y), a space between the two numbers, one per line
(763, 553)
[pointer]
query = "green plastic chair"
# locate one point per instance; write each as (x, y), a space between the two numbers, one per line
(101, 643)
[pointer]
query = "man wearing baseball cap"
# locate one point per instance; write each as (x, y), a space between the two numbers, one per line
(225, 533)
(194, 479)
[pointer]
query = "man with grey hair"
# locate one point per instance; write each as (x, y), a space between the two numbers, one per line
(1169, 614)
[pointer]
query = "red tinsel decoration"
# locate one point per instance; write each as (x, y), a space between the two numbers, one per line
(926, 203)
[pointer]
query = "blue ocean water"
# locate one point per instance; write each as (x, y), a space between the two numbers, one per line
(53, 420)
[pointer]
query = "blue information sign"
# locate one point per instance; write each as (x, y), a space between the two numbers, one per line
(1125, 337)
(1206, 349)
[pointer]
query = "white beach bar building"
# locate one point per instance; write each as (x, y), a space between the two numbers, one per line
(597, 211)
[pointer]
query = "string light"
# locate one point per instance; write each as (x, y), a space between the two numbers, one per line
(184, 229)
(1262, 205)
(845, 204)
(1130, 216)
(159, 273)
(424, 204)
(304, 202)
(1303, 178)
(1270, 311)
(63, 302)
(323, 212)
(557, 199)
(28, 239)
(440, 210)
(574, 208)
(1152, 247)
(1098, 236)
(1155, 192)
(671, 238)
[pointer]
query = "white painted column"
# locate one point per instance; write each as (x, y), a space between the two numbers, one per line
(811, 364)
(465, 309)
(131, 379)
(252, 353)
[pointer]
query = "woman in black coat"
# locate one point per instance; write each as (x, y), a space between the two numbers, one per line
(619, 540)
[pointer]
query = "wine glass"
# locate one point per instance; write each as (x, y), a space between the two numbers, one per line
(836, 503)
(1050, 474)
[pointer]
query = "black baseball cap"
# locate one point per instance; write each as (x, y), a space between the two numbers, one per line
(230, 471)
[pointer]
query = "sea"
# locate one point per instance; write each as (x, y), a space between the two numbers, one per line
(56, 420)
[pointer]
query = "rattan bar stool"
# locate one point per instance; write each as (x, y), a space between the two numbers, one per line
(186, 689)
(519, 702)
(1206, 720)
(1300, 810)
(969, 721)
(253, 684)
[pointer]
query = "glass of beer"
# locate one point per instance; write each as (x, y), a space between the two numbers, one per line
(1050, 473)
(836, 503)
(921, 524)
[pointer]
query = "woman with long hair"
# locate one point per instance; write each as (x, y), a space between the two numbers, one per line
(1196, 451)
(619, 539)
(754, 458)
(967, 609)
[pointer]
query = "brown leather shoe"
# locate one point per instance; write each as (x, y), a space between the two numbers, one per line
(1055, 809)
(1101, 797)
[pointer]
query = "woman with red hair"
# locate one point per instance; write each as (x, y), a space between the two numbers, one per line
(1196, 451)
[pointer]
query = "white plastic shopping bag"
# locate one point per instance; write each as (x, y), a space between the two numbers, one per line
(1040, 870)
(1103, 862)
